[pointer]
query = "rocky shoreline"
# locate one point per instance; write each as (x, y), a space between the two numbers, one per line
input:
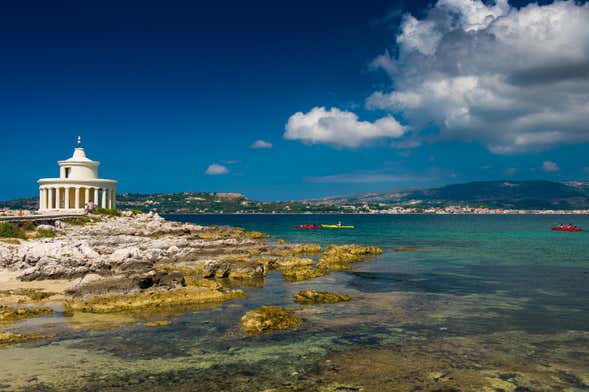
(142, 263)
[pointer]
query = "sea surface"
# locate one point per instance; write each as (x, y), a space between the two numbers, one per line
(455, 302)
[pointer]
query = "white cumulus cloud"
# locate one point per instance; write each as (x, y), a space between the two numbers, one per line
(215, 169)
(261, 144)
(340, 128)
(550, 167)
(511, 79)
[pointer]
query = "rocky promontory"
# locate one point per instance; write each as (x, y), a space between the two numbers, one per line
(142, 262)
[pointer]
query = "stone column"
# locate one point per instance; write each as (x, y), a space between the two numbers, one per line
(96, 197)
(57, 198)
(67, 198)
(40, 198)
(77, 197)
(87, 196)
(109, 198)
(49, 198)
(114, 198)
(104, 198)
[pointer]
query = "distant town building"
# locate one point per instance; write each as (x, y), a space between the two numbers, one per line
(78, 184)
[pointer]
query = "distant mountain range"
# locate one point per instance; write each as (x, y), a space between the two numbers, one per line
(539, 195)
(499, 194)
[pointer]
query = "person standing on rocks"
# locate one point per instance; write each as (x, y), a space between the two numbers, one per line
(89, 207)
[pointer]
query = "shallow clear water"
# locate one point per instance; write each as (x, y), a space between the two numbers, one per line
(499, 295)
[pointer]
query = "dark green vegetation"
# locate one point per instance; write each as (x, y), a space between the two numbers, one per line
(45, 234)
(81, 221)
(19, 230)
(8, 230)
(106, 211)
(538, 195)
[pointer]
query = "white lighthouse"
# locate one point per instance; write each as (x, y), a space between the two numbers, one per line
(78, 184)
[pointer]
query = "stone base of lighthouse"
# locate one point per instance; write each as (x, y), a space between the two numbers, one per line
(60, 197)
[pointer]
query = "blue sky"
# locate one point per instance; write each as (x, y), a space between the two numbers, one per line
(161, 94)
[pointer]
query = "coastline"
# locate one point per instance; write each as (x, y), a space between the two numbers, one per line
(144, 265)
(505, 212)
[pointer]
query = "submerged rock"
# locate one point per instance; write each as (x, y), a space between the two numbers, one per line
(308, 297)
(405, 249)
(150, 300)
(7, 338)
(269, 318)
(337, 387)
(157, 323)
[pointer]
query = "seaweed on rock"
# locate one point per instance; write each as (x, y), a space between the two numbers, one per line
(269, 318)
(11, 315)
(337, 256)
(8, 338)
(150, 300)
(310, 297)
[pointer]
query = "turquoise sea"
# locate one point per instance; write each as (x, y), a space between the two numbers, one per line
(483, 302)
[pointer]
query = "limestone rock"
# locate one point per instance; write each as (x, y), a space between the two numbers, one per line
(237, 270)
(125, 253)
(47, 228)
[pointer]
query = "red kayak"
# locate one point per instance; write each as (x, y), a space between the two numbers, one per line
(308, 227)
(566, 229)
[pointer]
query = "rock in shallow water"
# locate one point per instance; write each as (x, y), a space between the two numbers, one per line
(150, 300)
(11, 315)
(269, 318)
(7, 338)
(309, 297)
(157, 323)
(340, 255)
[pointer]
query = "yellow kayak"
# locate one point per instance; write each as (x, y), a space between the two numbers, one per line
(336, 227)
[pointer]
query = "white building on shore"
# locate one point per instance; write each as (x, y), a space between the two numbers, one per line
(77, 185)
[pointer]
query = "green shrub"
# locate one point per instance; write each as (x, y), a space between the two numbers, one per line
(28, 226)
(81, 221)
(45, 234)
(106, 211)
(136, 211)
(8, 230)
